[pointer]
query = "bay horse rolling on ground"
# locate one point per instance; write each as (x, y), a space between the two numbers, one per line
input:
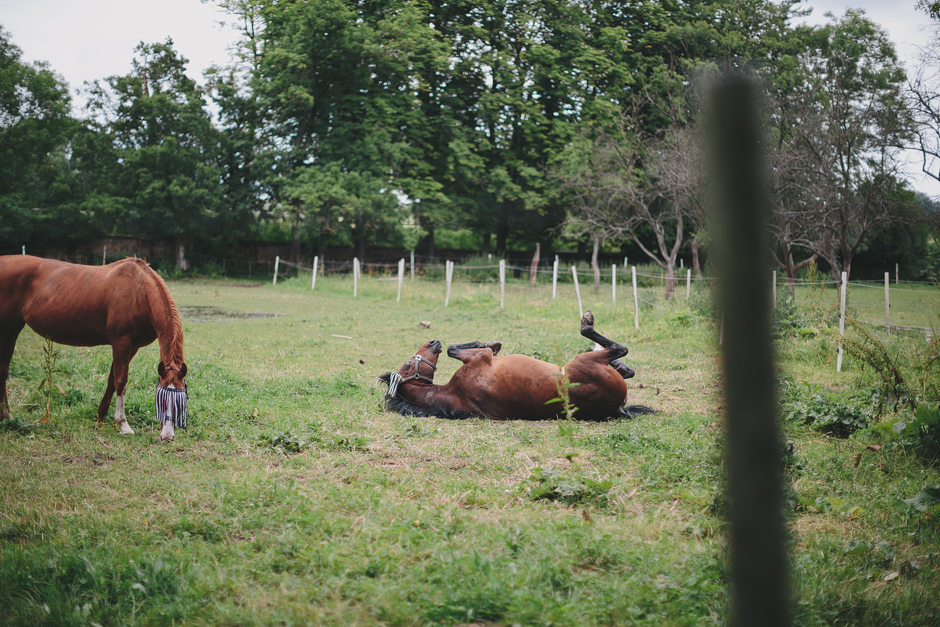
(514, 386)
(125, 304)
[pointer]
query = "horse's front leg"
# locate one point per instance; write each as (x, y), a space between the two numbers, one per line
(463, 352)
(117, 383)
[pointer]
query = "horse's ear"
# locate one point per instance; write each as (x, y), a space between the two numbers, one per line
(387, 377)
(161, 369)
(183, 371)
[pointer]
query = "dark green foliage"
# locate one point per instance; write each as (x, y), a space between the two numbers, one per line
(829, 412)
(568, 487)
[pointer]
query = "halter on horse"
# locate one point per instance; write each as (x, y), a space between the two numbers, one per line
(514, 386)
(124, 304)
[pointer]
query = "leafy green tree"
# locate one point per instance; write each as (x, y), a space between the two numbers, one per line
(851, 118)
(34, 127)
(162, 151)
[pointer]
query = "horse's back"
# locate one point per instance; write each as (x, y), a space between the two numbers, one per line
(75, 304)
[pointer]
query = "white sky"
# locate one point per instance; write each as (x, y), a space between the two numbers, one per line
(88, 40)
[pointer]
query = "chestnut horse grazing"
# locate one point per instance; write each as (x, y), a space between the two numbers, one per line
(125, 304)
(514, 386)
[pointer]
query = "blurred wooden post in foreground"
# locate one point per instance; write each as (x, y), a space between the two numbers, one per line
(759, 588)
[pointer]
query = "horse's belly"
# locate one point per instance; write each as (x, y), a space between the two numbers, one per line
(71, 330)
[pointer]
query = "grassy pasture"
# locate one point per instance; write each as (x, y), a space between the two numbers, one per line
(294, 499)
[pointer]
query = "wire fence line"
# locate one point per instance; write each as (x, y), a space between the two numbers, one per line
(643, 284)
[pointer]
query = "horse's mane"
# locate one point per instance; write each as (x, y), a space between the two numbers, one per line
(174, 328)
(405, 408)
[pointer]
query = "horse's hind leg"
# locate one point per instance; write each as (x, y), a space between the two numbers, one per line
(613, 349)
(7, 344)
(456, 351)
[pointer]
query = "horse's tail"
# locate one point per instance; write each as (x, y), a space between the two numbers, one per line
(633, 411)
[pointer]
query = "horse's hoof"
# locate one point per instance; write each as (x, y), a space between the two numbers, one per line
(494, 346)
(125, 430)
(587, 320)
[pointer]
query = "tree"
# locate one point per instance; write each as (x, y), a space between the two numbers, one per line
(852, 121)
(163, 150)
(34, 128)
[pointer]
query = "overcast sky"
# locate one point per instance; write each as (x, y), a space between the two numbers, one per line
(88, 40)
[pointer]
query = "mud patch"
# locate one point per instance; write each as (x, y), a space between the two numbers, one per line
(210, 314)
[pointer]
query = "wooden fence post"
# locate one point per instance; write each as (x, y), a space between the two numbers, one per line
(277, 262)
(555, 278)
(774, 296)
(502, 282)
(448, 279)
(842, 320)
(412, 265)
(355, 277)
(887, 301)
(613, 283)
(739, 203)
(688, 284)
(636, 301)
(401, 276)
(577, 290)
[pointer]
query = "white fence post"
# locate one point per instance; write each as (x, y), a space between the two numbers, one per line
(841, 321)
(277, 262)
(401, 276)
(688, 284)
(448, 278)
(104, 255)
(313, 280)
(636, 301)
(502, 282)
(355, 277)
(613, 283)
(895, 274)
(577, 290)
(775, 289)
(24, 249)
(555, 278)
(887, 301)
(412, 265)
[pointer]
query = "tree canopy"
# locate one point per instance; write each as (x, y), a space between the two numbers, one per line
(516, 122)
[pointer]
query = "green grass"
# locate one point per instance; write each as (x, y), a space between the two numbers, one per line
(294, 499)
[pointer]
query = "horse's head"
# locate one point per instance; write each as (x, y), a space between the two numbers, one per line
(419, 367)
(171, 399)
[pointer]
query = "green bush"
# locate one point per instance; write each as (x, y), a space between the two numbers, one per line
(828, 412)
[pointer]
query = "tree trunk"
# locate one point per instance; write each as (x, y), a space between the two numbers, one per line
(696, 262)
(534, 268)
(429, 241)
(181, 261)
(670, 278)
(595, 266)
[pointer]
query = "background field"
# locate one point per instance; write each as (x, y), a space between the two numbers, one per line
(294, 499)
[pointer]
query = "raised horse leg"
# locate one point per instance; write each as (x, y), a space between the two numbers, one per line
(122, 354)
(614, 351)
(461, 351)
(8, 335)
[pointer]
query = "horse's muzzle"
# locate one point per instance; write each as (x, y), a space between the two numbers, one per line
(171, 406)
(436, 346)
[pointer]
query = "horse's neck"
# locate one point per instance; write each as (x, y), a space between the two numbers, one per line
(436, 399)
